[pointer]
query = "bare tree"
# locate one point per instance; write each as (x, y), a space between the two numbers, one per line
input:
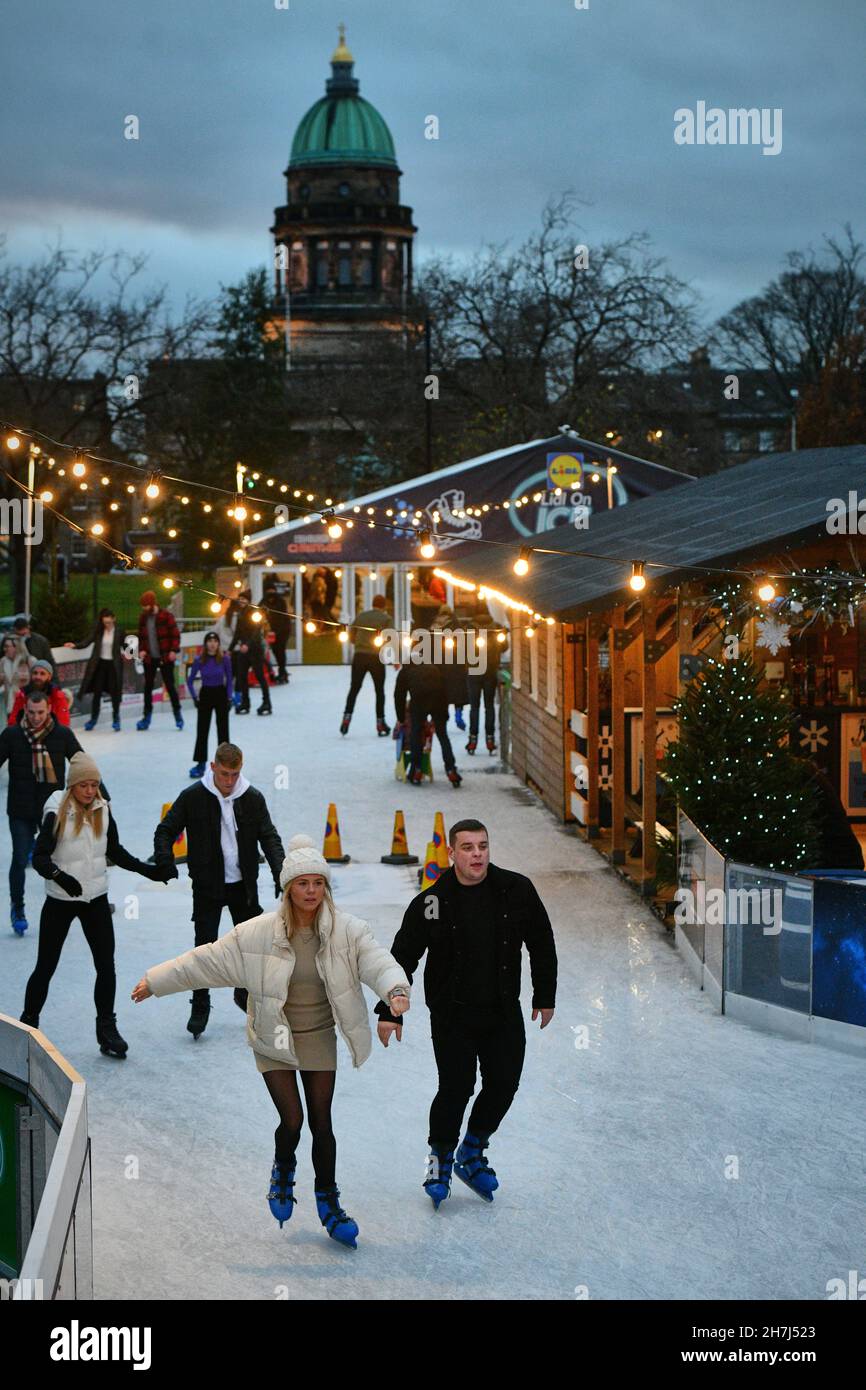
(796, 326)
(76, 336)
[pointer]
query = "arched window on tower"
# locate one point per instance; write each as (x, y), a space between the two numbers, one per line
(322, 265)
(365, 263)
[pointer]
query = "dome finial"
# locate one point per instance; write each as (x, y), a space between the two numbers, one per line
(341, 53)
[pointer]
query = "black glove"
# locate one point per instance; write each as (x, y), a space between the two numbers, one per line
(195, 701)
(278, 892)
(162, 873)
(69, 884)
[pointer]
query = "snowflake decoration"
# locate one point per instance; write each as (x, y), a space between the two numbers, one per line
(814, 736)
(773, 635)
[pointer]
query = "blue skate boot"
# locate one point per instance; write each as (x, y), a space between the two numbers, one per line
(437, 1184)
(281, 1197)
(335, 1221)
(143, 723)
(472, 1167)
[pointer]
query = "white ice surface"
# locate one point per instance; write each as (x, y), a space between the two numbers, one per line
(612, 1160)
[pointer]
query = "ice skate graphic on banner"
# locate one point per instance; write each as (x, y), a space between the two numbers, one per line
(459, 528)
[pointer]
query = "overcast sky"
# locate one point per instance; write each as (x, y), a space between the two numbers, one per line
(532, 96)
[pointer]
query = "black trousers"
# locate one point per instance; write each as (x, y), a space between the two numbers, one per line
(438, 711)
(363, 664)
(487, 685)
(166, 669)
(57, 917)
(212, 699)
(281, 636)
(253, 658)
(206, 913)
(105, 682)
(462, 1042)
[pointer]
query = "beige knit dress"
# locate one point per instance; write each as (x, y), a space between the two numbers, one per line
(308, 1012)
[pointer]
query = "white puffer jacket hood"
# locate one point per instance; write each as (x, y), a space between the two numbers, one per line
(83, 855)
(258, 956)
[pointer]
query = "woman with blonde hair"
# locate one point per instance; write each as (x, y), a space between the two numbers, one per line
(77, 841)
(303, 966)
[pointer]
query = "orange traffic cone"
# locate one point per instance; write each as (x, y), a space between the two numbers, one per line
(332, 850)
(440, 842)
(431, 866)
(179, 847)
(399, 844)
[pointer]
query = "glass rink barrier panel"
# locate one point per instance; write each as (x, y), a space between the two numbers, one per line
(699, 915)
(839, 947)
(768, 937)
(46, 1237)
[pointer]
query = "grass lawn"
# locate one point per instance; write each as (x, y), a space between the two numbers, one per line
(122, 592)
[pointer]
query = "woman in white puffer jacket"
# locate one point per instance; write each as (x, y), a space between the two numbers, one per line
(302, 967)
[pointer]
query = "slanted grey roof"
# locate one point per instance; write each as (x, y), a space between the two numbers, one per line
(772, 503)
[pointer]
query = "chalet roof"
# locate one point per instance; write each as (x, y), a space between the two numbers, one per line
(772, 503)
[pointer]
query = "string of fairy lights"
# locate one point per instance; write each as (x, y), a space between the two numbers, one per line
(157, 485)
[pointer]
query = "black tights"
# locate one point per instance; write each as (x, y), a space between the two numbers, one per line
(318, 1093)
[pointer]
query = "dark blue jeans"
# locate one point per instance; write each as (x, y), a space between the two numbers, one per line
(23, 834)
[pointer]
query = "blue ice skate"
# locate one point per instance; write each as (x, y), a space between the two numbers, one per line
(472, 1167)
(281, 1197)
(335, 1221)
(437, 1184)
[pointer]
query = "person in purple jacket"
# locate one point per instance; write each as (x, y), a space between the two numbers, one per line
(214, 669)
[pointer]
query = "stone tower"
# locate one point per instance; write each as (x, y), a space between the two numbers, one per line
(343, 241)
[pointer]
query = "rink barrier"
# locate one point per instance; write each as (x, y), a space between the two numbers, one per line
(72, 661)
(45, 1180)
(793, 975)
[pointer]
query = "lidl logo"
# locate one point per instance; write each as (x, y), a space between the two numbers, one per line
(564, 470)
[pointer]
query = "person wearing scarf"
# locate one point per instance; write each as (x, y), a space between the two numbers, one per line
(37, 751)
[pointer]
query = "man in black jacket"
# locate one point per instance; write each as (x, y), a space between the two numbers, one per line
(422, 679)
(248, 642)
(225, 819)
(473, 923)
(37, 751)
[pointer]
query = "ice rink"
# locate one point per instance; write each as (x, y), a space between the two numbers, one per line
(615, 1159)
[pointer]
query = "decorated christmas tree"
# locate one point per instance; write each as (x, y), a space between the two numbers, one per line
(735, 775)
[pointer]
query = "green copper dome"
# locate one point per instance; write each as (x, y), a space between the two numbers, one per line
(342, 128)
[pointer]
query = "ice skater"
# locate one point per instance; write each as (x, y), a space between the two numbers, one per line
(37, 751)
(473, 922)
(214, 669)
(77, 840)
(366, 661)
(159, 648)
(226, 819)
(103, 674)
(422, 681)
(302, 967)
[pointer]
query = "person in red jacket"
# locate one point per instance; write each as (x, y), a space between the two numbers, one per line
(158, 647)
(41, 678)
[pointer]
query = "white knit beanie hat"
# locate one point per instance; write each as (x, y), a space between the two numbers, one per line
(302, 857)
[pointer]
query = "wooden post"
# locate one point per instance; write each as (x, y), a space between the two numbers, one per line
(591, 729)
(616, 633)
(648, 858)
(566, 701)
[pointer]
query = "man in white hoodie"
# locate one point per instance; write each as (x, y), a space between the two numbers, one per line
(226, 820)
